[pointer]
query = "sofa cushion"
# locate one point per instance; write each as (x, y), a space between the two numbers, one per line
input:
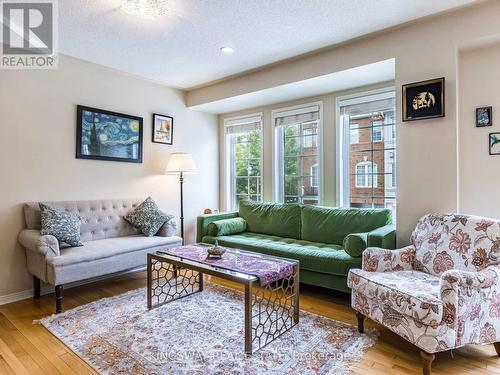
(272, 218)
(100, 218)
(226, 226)
(313, 256)
(102, 257)
(147, 217)
(109, 247)
(355, 243)
(65, 226)
(412, 293)
(332, 225)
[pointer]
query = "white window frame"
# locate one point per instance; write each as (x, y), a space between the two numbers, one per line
(343, 138)
(278, 149)
(229, 183)
(367, 175)
(308, 137)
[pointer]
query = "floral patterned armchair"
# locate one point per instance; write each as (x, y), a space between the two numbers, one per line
(440, 293)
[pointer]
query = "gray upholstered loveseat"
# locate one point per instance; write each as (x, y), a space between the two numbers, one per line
(110, 244)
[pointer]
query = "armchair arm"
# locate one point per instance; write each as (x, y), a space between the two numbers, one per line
(202, 222)
(168, 229)
(383, 260)
(32, 240)
(384, 237)
(486, 278)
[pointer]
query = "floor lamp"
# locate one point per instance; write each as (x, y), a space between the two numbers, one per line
(181, 163)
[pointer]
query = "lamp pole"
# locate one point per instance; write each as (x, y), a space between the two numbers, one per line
(181, 180)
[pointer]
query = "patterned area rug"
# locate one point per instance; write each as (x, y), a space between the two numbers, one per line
(200, 334)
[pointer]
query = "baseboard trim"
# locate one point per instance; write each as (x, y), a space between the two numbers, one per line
(47, 289)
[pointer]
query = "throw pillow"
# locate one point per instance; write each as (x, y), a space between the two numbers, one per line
(226, 226)
(147, 217)
(65, 226)
(355, 244)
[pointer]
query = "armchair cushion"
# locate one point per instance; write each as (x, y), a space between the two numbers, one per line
(382, 260)
(412, 293)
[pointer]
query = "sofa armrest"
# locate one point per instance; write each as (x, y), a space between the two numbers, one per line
(168, 229)
(202, 222)
(32, 240)
(383, 260)
(384, 237)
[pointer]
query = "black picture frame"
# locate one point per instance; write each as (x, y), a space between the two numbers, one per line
(424, 100)
(490, 144)
(481, 112)
(94, 154)
(155, 132)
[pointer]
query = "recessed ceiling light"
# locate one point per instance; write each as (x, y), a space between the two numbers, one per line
(226, 49)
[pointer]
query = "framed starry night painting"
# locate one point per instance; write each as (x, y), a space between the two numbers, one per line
(106, 135)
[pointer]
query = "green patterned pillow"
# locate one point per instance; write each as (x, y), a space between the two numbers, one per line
(65, 226)
(147, 217)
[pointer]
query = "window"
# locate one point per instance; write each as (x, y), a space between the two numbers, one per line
(297, 177)
(377, 131)
(243, 159)
(308, 137)
(367, 147)
(366, 175)
(354, 134)
(314, 176)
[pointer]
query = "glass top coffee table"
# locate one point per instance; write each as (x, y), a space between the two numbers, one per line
(271, 286)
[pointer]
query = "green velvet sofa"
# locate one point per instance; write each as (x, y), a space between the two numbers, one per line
(328, 242)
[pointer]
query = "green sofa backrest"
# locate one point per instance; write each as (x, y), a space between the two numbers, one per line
(276, 219)
(332, 225)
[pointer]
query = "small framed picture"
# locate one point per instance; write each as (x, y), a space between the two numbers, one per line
(484, 117)
(163, 129)
(494, 143)
(423, 100)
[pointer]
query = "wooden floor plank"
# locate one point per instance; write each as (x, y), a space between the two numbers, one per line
(32, 349)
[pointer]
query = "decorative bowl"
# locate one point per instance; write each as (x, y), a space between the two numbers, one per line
(216, 251)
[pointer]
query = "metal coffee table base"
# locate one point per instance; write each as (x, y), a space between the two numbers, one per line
(270, 311)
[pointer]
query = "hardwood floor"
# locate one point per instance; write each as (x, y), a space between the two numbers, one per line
(27, 348)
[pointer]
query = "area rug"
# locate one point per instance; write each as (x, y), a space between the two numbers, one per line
(200, 334)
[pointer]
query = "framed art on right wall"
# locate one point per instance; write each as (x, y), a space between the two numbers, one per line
(423, 100)
(494, 143)
(484, 117)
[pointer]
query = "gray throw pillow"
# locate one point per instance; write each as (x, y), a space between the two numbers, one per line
(147, 217)
(65, 226)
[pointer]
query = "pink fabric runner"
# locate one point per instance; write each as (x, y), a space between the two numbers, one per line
(266, 269)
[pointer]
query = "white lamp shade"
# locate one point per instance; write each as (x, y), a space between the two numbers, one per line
(180, 162)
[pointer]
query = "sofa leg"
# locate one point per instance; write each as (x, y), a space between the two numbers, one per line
(427, 359)
(59, 291)
(361, 322)
(497, 347)
(36, 287)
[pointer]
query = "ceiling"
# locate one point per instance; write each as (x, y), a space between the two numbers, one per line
(382, 71)
(181, 49)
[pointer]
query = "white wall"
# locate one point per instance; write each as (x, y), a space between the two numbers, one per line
(37, 149)
(479, 172)
(428, 150)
